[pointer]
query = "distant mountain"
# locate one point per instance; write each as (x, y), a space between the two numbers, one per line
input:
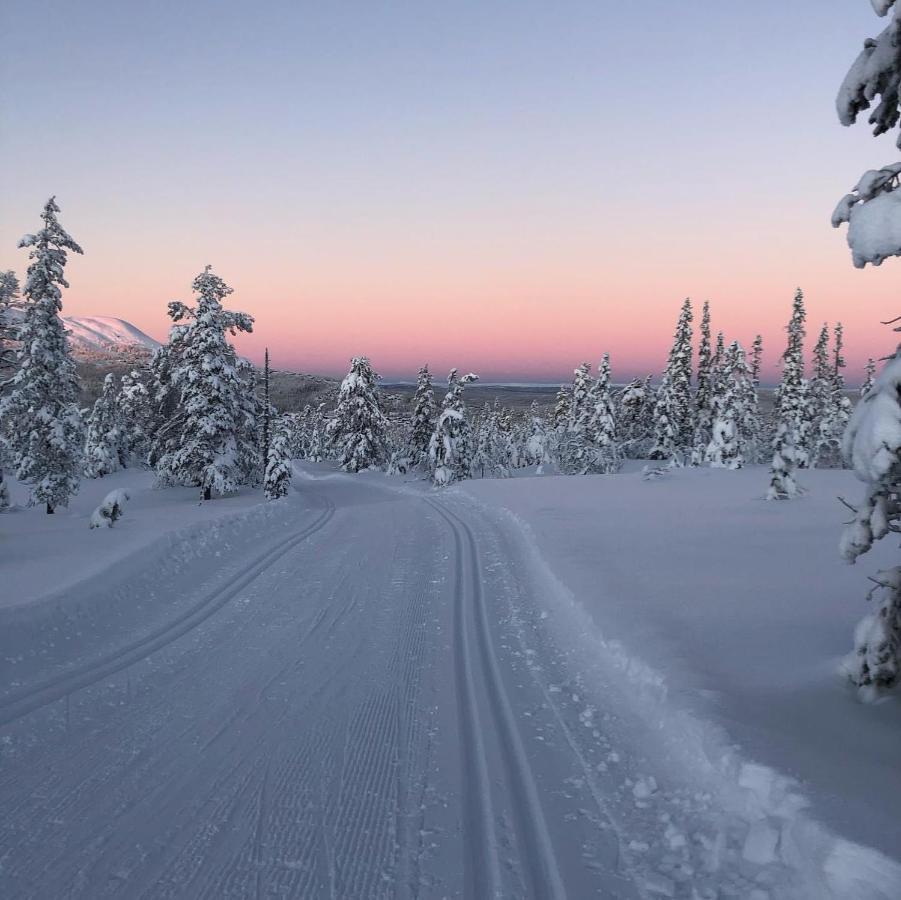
(106, 336)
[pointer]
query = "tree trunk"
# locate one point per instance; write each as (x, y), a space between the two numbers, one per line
(50, 509)
(207, 493)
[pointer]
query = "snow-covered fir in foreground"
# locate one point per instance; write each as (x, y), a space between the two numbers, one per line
(873, 439)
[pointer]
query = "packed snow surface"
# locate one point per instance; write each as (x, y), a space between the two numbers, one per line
(541, 687)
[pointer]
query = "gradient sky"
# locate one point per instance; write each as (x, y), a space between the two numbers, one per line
(507, 187)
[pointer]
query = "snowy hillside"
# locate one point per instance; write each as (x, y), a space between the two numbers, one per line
(105, 334)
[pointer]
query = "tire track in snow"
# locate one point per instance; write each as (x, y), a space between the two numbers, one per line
(537, 849)
(15, 706)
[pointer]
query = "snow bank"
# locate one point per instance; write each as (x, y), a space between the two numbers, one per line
(723, 619)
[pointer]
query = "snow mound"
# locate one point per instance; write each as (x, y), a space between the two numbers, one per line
(105, 333)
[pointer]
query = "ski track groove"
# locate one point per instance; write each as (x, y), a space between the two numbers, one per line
(536, 847)
(16, 705)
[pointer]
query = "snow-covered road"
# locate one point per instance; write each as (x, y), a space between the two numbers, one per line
(365, 703)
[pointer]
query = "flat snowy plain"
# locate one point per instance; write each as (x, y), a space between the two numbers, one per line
(537, 687)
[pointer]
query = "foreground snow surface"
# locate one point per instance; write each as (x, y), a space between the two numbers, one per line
(543, 687)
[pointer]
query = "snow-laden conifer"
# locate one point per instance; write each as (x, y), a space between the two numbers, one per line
(105, 449)
(40, 422)
(358, 426)
(9, 295)
(425, 409)
(734, 424)
(211, 437)
(673, 413)
(869, 377)
(537, 446)
(136, 411)
(791, 410)
(605, 450)
(703, 406)
(451, 445)
(835, 409)
(277, 481)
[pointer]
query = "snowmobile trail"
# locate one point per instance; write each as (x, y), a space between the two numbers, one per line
(369, 706)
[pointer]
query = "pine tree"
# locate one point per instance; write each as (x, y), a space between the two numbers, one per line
(562, 407)
(606, 450)
(450, 448)
(9, 295)
(835, 409)
(756, 357)
(358, 426)
(872, 440)
(703, 420)
(734, 425)
(869, 377)
(105, 439)
(791, 410)
(9, 298)
(211, 437)
(136, 411)
(536, 449)
(277, 481)
(819, 393)
(40, 420)
(267, 414)
(673, 418)
(425, 409)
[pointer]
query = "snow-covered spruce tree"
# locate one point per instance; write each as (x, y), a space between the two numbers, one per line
(267, 414)
(734, 423)
(9, 295)
(873, 439)
(450, 448)
(836, 409)
(869, 377)
(40, 422)
(425, 409)
(605, 451)
(136, 411)
(673, 413)
(358, 426)
(756, 358)
(635, 418)
(791, 410)
(211, 439)
(819, 392)
(105, 440)
(537, 447)
(703, 414)
(277, 481)
(574, 444)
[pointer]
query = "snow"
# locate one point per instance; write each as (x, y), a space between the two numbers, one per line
(729, 618)
(154, 523)
(105, 333)
(549, 687)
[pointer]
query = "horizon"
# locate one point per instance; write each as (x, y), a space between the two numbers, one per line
(414, 187)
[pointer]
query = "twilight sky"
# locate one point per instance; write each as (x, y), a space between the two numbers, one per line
(510, 187)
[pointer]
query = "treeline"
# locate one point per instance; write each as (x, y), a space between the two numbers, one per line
(199, 416)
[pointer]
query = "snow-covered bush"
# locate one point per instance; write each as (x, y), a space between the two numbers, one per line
(111, 510)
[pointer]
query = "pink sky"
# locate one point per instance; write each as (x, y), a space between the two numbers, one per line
(509, 193)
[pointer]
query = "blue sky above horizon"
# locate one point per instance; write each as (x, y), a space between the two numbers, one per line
(507, 187)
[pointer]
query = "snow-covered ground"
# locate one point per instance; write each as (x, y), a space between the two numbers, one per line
(731, 610)
(539, 687)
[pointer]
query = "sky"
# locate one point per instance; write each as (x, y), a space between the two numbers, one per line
(506, 187)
